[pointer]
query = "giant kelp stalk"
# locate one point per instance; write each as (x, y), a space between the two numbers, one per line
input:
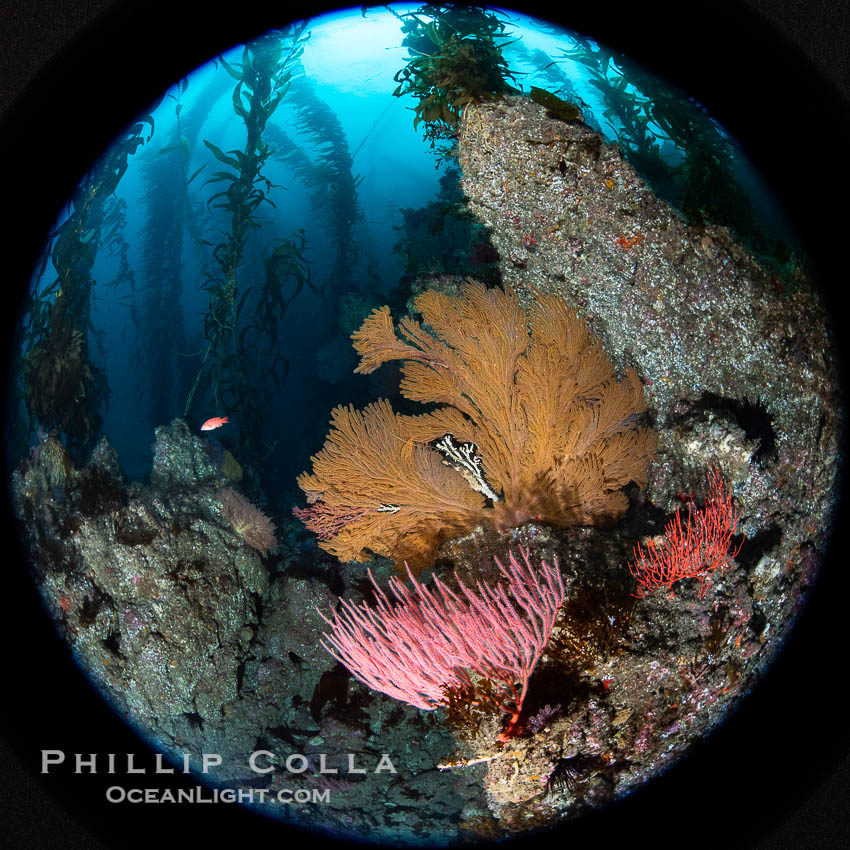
(157, 312)
(673, 142)
(332, 174)
(187, 128)
(546, 69)
(323, 163)
(237, 312)
(63, 390)
(454, 58)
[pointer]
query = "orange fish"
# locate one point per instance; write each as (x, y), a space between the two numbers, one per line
(215, 422)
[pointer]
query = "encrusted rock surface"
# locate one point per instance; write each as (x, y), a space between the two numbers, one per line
(739, 374)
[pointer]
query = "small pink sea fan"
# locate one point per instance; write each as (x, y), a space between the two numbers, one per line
(256, 529)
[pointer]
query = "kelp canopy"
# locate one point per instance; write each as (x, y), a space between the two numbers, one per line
(455, 58)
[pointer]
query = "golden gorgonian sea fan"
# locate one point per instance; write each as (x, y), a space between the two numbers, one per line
(535, 425)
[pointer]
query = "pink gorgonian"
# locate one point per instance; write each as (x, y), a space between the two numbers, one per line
(694, 548)
(431, 641)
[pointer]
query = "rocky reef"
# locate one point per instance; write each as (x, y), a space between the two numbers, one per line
(207, 646)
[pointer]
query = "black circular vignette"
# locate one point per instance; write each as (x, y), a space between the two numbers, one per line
(776, 773)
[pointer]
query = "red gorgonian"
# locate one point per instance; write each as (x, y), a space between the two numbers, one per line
(428, 643)
(693, 548)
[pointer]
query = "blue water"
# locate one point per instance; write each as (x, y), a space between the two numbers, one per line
(347, 66)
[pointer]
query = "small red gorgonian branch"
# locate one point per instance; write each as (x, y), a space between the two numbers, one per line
(429, 642)
(327, 520)
(694, 548)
